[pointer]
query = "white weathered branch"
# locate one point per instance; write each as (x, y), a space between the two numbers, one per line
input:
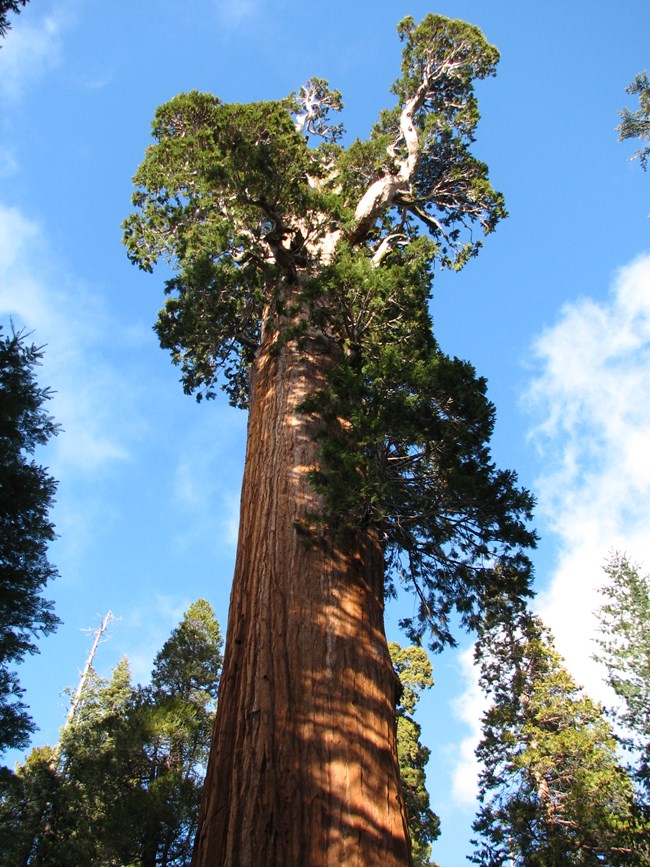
(386, 246)
(383, 193)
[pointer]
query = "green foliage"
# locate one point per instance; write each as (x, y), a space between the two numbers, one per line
(412, 456)
(459, 53)
(636, 124)
(221, 189)
(28, 799)
(450, 190)
(124, 784)
(624, 623)
(413, 667)
(551, 788)
(26, 495)
(234, 198)
(312, 106)
(272, 239)
(7, 6)
(63, 803)
(188, 665)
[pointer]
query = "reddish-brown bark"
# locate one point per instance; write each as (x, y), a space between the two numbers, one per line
(303, 769)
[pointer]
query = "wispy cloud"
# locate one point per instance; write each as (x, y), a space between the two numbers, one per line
(468, 708)
(8, 162)
(66, 317)
(208, 476)
(590, 397)
(32, 48)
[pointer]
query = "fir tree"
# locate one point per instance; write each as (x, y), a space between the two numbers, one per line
(624, 623)
(636, 124)
(413, 667)
(551, 787)
(26, 496)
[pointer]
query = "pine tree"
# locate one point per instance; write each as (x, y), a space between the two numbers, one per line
(27, 801)
(301, 282)
(624, 623)
(72, 804)
(26, 496)
(123, 785)
(178, 714)
(636, 124)
(103, 765)
(413, 667)
(551, 787)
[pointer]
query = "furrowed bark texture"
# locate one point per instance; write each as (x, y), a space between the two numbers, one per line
(303, 770)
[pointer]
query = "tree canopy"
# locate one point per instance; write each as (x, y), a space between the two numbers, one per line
(636, 124)
(123, 784)
(273, 227)
(26, 496)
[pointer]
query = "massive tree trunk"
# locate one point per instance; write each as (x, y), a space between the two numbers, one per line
(303, 768)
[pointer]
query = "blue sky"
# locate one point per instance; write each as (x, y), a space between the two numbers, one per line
(555, 312)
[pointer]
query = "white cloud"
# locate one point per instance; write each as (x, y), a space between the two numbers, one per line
(72, 324)
(468, 708)
(593, 434)
(591, 397)
(207, 478)
(31, 49)
(232, 13)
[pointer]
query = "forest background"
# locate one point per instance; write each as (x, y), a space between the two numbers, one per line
(555, 312)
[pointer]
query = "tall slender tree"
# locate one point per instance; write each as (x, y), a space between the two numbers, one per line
(302, 281)
(624, 622)
(124, 783)
(177, 712)
(552, 790)
(26, 496)
(413, 667)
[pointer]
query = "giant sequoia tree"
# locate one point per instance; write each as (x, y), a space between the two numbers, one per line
(301, 283)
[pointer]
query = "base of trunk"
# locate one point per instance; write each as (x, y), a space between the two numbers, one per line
(303, 768)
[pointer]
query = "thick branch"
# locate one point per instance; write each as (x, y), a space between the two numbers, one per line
(383, 193)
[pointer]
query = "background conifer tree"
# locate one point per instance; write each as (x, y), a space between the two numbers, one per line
(624, 624)
(636, 124)
(551, 786)
(413, 668)
(124, 783)
(26, 496)
(7, 6)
